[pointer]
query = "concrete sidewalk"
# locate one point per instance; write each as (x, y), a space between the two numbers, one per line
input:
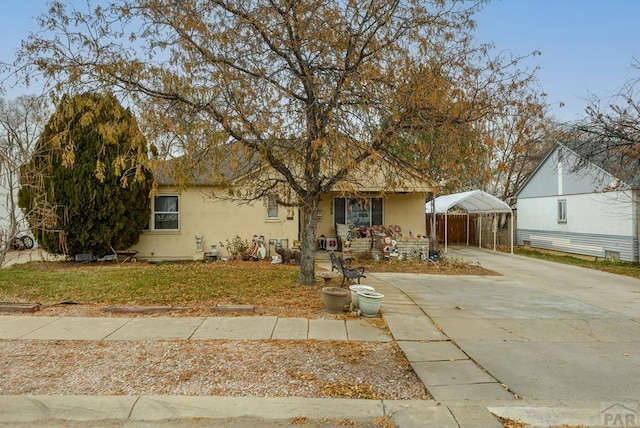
(187, 328)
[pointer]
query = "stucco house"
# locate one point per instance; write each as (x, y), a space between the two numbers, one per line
(591, 210)
(182, 213)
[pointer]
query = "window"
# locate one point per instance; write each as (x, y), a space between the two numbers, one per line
(272, 207)
(165, 213)
(562, 211)
(357, 212)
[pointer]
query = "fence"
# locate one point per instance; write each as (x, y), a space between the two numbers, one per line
(458, 228)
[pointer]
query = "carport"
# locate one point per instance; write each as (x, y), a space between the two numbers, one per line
(473, 202)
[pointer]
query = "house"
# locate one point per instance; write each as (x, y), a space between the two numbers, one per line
(574, 206)
(180, 214)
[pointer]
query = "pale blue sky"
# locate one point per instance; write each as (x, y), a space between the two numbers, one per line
(587, 45)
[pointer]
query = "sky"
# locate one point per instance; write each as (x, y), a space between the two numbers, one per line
(587, 46)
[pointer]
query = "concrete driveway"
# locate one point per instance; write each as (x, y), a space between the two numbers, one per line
(547, 331)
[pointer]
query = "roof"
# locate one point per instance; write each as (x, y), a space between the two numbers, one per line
(225, 164)
(589, 155)
(474, 201)
(610, 156)
(230, 162)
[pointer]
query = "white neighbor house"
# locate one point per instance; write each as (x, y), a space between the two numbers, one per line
(589, 211)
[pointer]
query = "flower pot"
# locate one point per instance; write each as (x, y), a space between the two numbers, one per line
(335, 299)
(369, 303)
(354, 292)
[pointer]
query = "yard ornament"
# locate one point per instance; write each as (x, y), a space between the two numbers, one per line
(389, 247)
(259, 250)
(199, 239)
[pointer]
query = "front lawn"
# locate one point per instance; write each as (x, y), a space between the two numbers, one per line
(273, 289)
(176, 284)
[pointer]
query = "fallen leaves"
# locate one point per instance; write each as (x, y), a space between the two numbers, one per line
(267, 368)
(446, 266)
(343, 388)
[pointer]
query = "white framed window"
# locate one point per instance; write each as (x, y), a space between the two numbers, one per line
(272, 207)
(166, 214)
(562, 210)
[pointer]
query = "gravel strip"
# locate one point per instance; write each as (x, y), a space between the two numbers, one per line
(273, 368)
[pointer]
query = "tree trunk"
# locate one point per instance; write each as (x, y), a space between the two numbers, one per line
(308, 242)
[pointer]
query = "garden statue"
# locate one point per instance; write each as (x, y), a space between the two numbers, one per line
(259, 250)
(389, 247)
(288, 254)
(199, 239)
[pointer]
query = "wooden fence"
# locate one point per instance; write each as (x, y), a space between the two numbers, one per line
(457, 230)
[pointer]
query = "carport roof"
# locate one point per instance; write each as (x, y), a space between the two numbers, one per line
(474, 201)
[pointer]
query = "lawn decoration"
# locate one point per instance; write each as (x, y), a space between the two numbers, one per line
(288, 254)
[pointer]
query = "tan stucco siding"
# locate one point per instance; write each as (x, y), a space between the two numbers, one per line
(217, 221)
(325, 225)
(404, 210)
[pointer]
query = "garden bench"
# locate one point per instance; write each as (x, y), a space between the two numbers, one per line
(347, 272)
(334, 261)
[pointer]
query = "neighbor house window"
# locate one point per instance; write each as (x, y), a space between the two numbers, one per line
(165, 213)
(272, 207)
(562, 211)
(357, 212)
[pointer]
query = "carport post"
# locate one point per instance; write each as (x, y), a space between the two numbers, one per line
(467, 228)
(511, 232)
(495, 231)
(480, 232)
(446, 226)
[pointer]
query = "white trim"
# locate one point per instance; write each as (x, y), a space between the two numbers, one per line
(152, 223)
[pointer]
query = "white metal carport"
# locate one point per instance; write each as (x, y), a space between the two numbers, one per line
(474, 201)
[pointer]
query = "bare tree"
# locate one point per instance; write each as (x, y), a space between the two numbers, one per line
(314, 89)
(610, 134)
(21, 121)
(519, 140)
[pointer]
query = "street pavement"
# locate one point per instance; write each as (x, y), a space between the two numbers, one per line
(543, 343)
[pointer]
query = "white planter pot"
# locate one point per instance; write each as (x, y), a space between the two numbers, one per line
(354, 292)
(369, 303)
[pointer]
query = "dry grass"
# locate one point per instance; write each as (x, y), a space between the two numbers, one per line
(196, 286)
(611, 266)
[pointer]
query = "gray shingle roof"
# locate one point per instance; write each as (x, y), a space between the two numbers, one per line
(224, 164)
(617, 160)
